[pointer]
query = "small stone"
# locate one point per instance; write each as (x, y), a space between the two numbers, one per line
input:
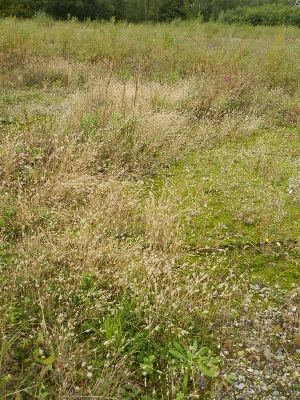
(240, 353)
(275, 393)
(280, 350)
(240, 386)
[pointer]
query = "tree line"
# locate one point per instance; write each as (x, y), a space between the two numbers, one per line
(129, 10)
(137, 10)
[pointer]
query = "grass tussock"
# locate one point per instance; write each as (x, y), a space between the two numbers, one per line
(149, 175)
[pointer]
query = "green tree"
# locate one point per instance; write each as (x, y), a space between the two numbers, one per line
(105, 9)
(172, 9)
(80, 9)
(21, 8)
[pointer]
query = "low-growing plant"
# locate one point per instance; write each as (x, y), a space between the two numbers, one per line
(192, 361)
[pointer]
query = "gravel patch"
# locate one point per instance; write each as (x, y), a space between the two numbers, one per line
(261, 350)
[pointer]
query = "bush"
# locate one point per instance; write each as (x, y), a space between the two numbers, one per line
(268, 14)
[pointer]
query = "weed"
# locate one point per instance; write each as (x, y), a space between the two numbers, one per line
(194, 361)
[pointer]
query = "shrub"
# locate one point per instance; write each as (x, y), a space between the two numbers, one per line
(263, 15)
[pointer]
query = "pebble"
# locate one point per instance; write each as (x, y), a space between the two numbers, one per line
(279, 357)
(240, 386)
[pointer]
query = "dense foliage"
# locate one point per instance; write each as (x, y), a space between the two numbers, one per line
(130, 10)
(263, 15)
(211, 9)
(253, 11)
